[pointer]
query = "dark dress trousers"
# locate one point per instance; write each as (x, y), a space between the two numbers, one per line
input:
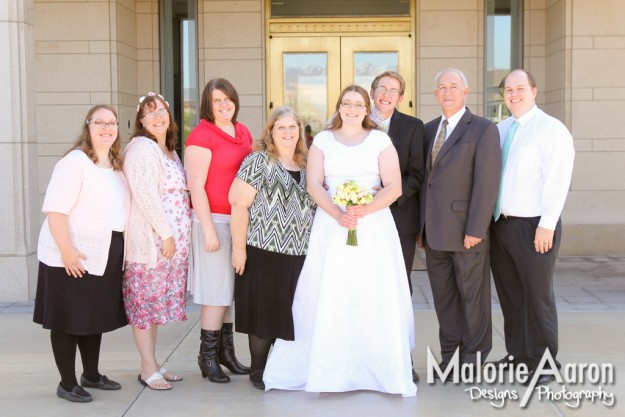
(524, 282)
(457, 198)
(406, 132)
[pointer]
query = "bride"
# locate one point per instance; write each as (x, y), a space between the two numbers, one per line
(352, 310)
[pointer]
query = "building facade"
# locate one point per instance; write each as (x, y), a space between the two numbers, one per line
(60, 57)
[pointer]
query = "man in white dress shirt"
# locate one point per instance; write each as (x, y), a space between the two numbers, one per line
(538, 154)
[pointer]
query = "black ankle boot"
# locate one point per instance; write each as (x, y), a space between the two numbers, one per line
(226, 352)
(208, 357)
(256, 378)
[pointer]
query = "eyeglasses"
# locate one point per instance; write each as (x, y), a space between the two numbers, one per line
(153, 114)
(350, 105)
(383, 90)
(101, 124)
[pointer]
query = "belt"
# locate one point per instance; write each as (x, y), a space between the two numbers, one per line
(504, 217)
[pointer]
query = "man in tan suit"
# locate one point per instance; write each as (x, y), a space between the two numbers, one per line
(459, 192)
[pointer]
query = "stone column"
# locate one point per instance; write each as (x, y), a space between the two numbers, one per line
(19, 202)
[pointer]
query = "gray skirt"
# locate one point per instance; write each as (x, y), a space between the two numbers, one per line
(211, 275)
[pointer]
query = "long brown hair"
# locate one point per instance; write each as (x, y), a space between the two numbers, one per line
(336, 122)
(85, 144)
(265, 141)
(149, 104)
(206, 104)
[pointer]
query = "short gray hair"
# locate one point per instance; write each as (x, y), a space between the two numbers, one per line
(456, 71)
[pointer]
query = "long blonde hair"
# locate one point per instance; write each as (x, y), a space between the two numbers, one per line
(265, 141)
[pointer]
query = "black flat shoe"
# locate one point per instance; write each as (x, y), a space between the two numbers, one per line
(76, 395)
(259, 385)
(415, 376)
(542, 380)
(256, 378)
(505, 361)
(104, 383)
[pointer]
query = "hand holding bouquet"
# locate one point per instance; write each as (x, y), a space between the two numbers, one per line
(351, 194)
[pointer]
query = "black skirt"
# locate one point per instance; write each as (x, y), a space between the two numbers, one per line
(264, 294)
(82, 306)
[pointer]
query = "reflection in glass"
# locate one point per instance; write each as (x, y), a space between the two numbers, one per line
(190, 92)
(179, 63)
(367, 65)
(306, 87)
(503, 52)
(306, 8)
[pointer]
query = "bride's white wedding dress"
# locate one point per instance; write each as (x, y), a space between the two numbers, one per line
(352, 311)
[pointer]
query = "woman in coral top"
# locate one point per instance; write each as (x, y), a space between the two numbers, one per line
(214, 152)
(81, 253)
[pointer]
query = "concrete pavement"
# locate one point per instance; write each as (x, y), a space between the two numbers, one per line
(591, 300)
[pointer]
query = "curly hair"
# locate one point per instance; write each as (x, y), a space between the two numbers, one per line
(336, 122)
(265, 141)
(85, 144)
(149, 104)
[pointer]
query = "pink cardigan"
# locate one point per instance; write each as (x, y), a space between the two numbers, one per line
(75, 189)
(145, 174)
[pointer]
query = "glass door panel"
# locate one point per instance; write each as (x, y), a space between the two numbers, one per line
(308, 73)
(502, 53)
(306, 87)
(305, 75)
(179, 63)
(367, 65)
(324, 8)
(363, 58)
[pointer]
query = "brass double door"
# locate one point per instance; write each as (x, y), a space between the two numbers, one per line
(308, 73)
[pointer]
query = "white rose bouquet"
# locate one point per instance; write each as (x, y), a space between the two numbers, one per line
(351, 193)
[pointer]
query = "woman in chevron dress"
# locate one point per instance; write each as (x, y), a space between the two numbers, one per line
(270, 224)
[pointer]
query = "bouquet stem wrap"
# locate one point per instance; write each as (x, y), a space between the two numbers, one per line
(352, 238)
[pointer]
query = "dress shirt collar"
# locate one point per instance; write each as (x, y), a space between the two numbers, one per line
(377, 118)
(452, 121)
(527, 116)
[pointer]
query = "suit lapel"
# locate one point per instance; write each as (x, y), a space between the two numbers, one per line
(429, 142)
(461, 127)
(393, 128)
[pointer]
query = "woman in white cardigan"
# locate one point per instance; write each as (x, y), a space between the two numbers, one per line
(81, 251)
(158, 236)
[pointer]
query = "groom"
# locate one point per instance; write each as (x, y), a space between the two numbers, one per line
(406, 132)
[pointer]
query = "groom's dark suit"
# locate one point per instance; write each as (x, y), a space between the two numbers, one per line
(406, 132)
(457, 198)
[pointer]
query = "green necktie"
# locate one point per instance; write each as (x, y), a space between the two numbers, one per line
(505, 151)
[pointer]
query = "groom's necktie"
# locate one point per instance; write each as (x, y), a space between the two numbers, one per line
(505, 151)
(440, 139)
